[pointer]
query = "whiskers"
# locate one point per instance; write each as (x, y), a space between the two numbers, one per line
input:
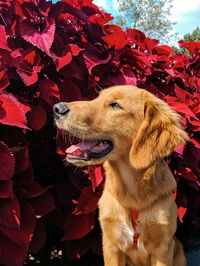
(58, 132)
(97, 85)
(66, 163)
(71, 138)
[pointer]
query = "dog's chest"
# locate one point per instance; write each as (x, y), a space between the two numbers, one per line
(136, 252)
(128, 237)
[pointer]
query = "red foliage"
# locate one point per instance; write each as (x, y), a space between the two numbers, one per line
(66, 51)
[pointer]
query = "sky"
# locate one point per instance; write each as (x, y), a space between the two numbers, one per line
(185, 12)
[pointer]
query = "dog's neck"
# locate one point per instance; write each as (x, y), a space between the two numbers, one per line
(136, 188)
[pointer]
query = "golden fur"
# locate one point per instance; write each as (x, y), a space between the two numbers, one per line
(143, 130)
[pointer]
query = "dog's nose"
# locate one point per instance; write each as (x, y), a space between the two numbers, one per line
(60, 109)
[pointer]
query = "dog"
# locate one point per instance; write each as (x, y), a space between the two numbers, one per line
(129, 131)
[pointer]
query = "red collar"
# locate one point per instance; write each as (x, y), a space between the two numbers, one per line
(134, 217)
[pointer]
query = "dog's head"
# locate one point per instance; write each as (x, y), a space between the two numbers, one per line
(123, 122)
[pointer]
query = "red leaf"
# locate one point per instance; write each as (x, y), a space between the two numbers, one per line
(181, 201)
(192, 156)
(153, 89)
(125, 77)
(180, 149)
(195, 124)
(191, 46)
(181, 213)
(179, 61)
(137, 59)
(169, 70)
(10, 213)
(75, 50)
(4, 81)
(11, 254)
(180, 107)
(37, 117)
(196, 110)
(49, 91)
(174, 194)
(44, 204)
(28, 77)
(77, 226)
(30, 189)
(96, 175)
(78, 3)
(195, 142)
(100, 19)
(77, 179)
(11, 111)
(93, 57)
(61, 61)
(3, 39)
(42, 39)
(66, 192)
(69, 91)
(111, 28)
(196, 107)
(183, 95)
(117, 40)
(39, 237)
(31, 57)
(75, 249)
(23, 234)
(25, 106)
(164, 50)
(21, 158)
(151, 44)
(29, 68)
(16, 54)
(7, 162)
(137, 37)
(87, 201)
(18, 7)
(187, 173)
(6, 189)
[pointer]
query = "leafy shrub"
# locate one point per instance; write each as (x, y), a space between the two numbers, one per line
(63, 52)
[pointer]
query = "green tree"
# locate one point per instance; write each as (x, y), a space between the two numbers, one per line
(149, 16)
(194, 37)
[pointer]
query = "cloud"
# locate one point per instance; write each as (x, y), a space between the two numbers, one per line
(109, 5)
(101, 3)
(115, 4)
(186, 14)
(181, 8)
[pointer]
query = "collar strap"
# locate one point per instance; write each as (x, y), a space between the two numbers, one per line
(134, 217)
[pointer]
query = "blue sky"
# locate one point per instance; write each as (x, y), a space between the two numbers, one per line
(185, 13)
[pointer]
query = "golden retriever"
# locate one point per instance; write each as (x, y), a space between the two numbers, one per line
(129, 131)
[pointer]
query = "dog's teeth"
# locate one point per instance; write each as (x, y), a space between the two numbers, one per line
(98, 143)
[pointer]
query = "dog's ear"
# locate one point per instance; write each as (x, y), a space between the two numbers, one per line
(159, 133)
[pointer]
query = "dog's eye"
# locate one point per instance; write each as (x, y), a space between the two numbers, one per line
(115, 105)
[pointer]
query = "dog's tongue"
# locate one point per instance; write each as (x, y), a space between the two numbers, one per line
(84, 148)
(81, 146)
